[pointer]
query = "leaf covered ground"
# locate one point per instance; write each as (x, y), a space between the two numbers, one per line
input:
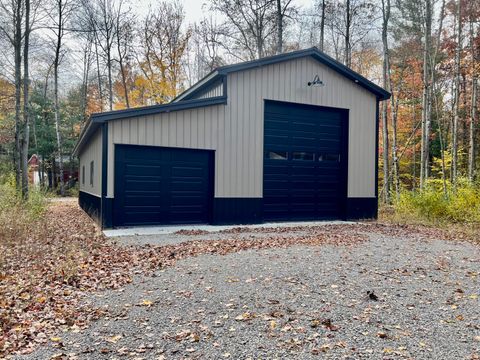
(46, 278)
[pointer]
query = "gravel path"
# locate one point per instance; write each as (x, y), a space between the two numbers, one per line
(296, 302)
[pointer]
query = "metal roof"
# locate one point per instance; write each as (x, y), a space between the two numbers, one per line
(184, 101)
(95, 120)
(323, 58)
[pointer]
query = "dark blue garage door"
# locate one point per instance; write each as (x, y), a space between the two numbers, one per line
(156, 185)
(305, 162)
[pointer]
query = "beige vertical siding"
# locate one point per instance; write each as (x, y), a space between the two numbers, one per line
(216, 90)
(235, 130)
(92, 152)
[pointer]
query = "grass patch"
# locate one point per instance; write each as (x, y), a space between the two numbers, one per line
(456, 212)
(18, 217)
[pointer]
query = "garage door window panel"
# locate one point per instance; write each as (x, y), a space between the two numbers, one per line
(276, 155)
(303, 156)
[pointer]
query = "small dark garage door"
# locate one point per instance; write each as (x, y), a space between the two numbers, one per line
(157, 185)
(305, 162)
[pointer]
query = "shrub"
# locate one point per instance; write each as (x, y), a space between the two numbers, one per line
(12, 201)
(460, 205)
(17, 216)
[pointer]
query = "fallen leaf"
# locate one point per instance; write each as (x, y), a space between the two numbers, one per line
(147, 303)
(113, 339)
(382, 335)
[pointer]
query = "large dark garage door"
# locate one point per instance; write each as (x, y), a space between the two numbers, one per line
(305, 162)
(156, 185)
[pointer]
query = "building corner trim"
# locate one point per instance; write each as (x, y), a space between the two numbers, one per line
(106, 203)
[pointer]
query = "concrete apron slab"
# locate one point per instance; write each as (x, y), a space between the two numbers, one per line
(171, 229)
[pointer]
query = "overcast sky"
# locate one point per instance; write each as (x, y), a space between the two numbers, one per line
(194, 9)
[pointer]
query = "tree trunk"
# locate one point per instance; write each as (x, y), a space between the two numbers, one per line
(108, 53)
(42, 171)
(386, 85)
(473, 109)
(55, 91)
(17, 46)
(395, 160)
(414, 151)
(439, 117)
(456, 110)
(348, 54)
(279, 27)
(472, 132)
(120, 60)
(425, 145)
(26, 115)
(86, 72)
(322, 26)
(35, 139)
(386, 160)
(110, 81)
(99, 77)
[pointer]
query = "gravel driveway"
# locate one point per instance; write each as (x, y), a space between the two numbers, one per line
(297, 302)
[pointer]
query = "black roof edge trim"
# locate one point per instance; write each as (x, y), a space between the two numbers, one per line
(96, 119)
(156, 109)
(87, 131)
(265, 61)
(381, 93)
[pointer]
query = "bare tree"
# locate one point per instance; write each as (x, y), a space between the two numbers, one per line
(204, 49)
(251, 23)
(81, 20)
(426, 108)
(26, 100)
(63, 9)
(99, 74)
(322, 25)
(87, 62)
(386, 84)
(474, 98)
(101, 19)
(124, 38)
(16, 26)
(350, 22)
(434, 87)
(106, 32)
(456, 109)
(11, 27)
(279, 27)
(283, 11)
(210, 39)
(348, 25)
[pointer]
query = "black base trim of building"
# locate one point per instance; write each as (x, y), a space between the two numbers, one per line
(362, 208)
(107, 213)
(237, 211)
(91, 204)
(226, 211)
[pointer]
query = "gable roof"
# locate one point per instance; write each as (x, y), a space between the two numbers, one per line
(97, 119)
(186, 101)
(313, 52)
